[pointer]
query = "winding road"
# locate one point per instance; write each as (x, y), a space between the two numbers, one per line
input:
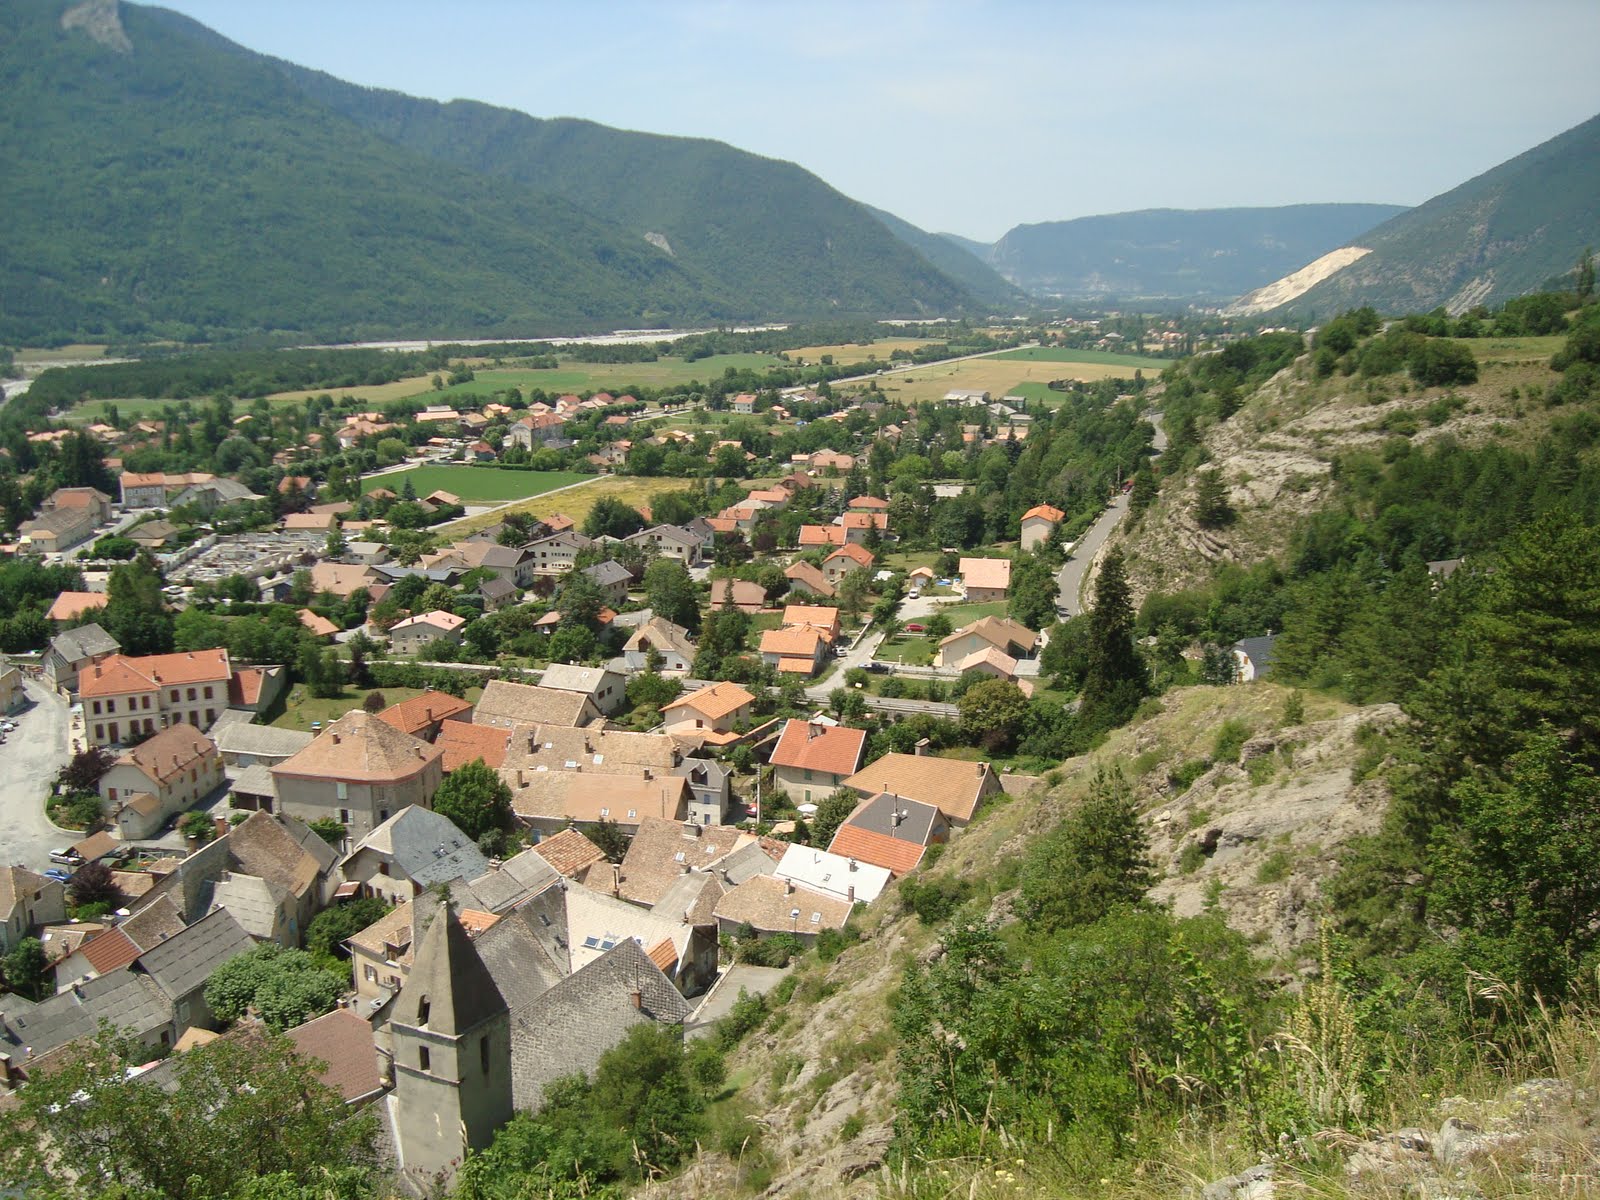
(1069, 580)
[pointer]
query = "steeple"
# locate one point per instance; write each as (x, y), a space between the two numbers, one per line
(449, 990)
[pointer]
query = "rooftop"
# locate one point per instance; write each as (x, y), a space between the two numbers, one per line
(174, 750)
(829, 748)
(120, 674)
(985, 572)
(951, 785)
(715, 702)
(360, 747)
(418, 713)
(775, 905)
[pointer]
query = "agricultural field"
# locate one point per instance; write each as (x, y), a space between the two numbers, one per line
(999, 375)
(379, 394)
(633, 490)
(476, 485)
(1061, 354)
(856, 352)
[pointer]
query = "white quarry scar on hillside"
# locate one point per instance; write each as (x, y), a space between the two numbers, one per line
(1298, 284)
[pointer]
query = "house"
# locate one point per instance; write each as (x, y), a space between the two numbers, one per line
(823, 618)
(181, 964)
(463, 743)
(308, 522)
(744, 595)
(798, 650)
(129, 1001)
(811, 761)
(277, 876)
(153, 535)
(558, 553)
(995, 664)
(72, 651)
(535, 430)
(569, 854)
(710, 789)
(505, 705)
(550, 801)
(1038, 523)
(68, 517)
(890, 831)
(342, 579)
(26, 902)
(744, 403)
(660, 637)
(359, 770)
(867, 504)
(837, 875)
(243, 745)
(1010, 638)
(859, 527)
(966, 396)
(143, 490)
(669, 541)
(832, 460)
(985, 579)
(12, 694)
(605, 688)
(954, 787)
(423, 716)
(159, 778)
(807, 579)
(127, 696)
(319, 627)
(821, 535)
(1252, 658)
(664, 850)
(717, 709)
(612, 579)
(416, 634)
(770, 905)
(341, 1042)
(253, 689)
(67, 607)
(213, 494)
(596, 750)
(845, 559)
(413, 850)
(497, 594)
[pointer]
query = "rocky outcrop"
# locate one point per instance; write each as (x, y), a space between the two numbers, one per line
(102, 21)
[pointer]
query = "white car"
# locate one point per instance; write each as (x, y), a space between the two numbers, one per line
(914, 594)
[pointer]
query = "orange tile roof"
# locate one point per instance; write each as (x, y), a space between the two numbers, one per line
(244, 688)
(715, 701)
(342, 1042)
(462, 743)
(986, 572)
(868, 503)
(664, 955)
(851, 550)
(112, 949)
(360, 747)
(569, 852)
(171, 752)
(793, 642)
(416, 714)
(119, 673)
(831, 748)
(865, 520)
(320, 626)
(951, 785)
(70, 605)
(896, 855)
(821, 535)
(1046, 512)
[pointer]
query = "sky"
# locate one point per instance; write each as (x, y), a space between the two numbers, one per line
(973, 117)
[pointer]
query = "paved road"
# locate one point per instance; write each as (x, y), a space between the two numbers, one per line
(758, 981)
(860, 655)
(1070, 578)
(29, 761)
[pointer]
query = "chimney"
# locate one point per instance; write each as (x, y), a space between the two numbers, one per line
(851, 894)
(522, 778)
(335, 738)
(616, 880)
(922, 747)
(899, 816)
(6, 1081)
(638, 999)
(648, 774)
(788, 887)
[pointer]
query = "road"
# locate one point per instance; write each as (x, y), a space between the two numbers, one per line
(859, 656)
(902, 368)
(29, 761)
(1069, 580)
(724, 994)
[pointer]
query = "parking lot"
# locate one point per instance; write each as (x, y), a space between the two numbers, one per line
(29, 759)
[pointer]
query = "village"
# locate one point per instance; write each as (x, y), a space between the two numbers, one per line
(624, 769)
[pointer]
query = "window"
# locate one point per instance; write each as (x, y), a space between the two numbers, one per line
(424, 1007)
(344, 816)
(424, 1059)
(146, 700)
(816, 918)
(211, 713)
(483, 1053)
(208, 693)
(370, 973)
(341, 790)
(97, 708)
(111, 706)
(113, 797)
(383, 868)
(99, 733)
(174, 695)
(808, 774)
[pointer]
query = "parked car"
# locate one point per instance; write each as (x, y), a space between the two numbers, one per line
(8, 726)
(878, 668)
(69, 856)
(914, 594)
(58, 875)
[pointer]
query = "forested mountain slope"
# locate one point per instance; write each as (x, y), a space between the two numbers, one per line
(1502, 234)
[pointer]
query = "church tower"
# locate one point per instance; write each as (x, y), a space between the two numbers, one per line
(452, 1053)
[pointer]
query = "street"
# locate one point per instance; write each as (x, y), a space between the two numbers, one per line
(29, 761)
(1070, 578)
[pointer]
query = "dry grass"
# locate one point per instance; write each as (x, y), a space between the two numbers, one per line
(857, 352)
(996, 376)
(75, 352)
(574, 501)
(381, 393)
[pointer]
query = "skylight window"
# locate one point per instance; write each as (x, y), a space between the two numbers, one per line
(816, 918)
(591, 942)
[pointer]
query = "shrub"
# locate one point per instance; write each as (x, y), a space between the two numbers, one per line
(1230, 739)
(1191, 858)
(1276, 866)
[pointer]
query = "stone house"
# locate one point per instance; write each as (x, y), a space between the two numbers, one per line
(159, 778)
(1038, 523)
(70, 652)
(27, 901)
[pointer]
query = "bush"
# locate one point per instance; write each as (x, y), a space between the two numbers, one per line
(1191, 858)
(935, 900)
(775, 951)
(1230, 739)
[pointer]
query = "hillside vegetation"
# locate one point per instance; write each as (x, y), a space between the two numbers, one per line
(1502, 234)
(162, 182)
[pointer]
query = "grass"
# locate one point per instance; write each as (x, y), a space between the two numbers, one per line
(576, 502)
(1037, 393)
(1520, 349)
(380, 394)
(998, 375)
(476, 484)
(852, 352)
(912, 651)
(1061, 354)
(966, 614)
(302, 709)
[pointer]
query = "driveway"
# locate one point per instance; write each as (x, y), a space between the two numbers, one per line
(29, 761)
(859, 656)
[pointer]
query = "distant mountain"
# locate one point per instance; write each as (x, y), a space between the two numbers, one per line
(1165, 252)
(1507, 232)
(158, 180)
(956, 260)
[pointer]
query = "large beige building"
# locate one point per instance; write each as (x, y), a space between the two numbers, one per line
(359, 771)
(159, 778)
(124, 697)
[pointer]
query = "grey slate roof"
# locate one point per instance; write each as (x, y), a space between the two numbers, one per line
(746, 863)
(607, 573)
(255, 780)
(266, 741)
(877, 815)
(182, 964)
(449, 991)
(569, 1027)
(1259, 651)
(514, 881)
(426, 846)
(85, 641)
(130, 1001)
(520, 962)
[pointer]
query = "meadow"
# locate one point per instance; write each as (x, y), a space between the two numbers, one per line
(1062, 354)
(635, 491)
(1513, 350)
(476, 485)
(617, 378)
(858, 352)
(999, 375)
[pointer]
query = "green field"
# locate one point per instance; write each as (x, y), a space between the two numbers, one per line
(912, 649)
(1037, 393)
(1519, 349)
(1097, 357)
(616, 378)
(965, 614)
(476, 485)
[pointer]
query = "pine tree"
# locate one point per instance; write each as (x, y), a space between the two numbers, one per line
(1211, 507)
(1097, 860)
(1115, 680)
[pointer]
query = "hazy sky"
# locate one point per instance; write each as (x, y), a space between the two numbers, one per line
(974, 117)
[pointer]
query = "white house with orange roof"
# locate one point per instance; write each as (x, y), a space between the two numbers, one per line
(716, 710)
(124, 697)
(414, 633)
(1038, 523)
(985, 579)
(159, 778)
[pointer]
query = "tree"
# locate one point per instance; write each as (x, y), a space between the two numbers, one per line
(329, 829)
(27, 969)
(475, 798)
(83, 771)
(329, 929)
(1144, 491)
(605, 834)
(1032, 597)
(831, 814)
(1211, 507)
(287, 987)
(610, 517)
(197, 826)
(94, 883)
(670, 593)
(854, 589)
(240, 1110)
(374, 703)
(1114, 678)
(1095, 861)
(992, 714)
(1586, 275)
